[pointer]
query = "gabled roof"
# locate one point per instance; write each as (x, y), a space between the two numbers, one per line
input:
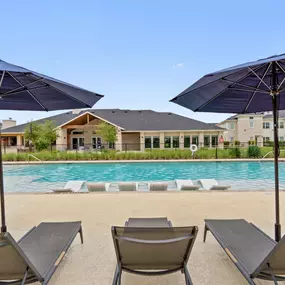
(130, 120)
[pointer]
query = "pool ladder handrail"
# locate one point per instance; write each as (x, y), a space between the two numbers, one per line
(272, 151)
(33, 156)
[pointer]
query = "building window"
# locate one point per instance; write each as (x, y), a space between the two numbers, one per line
(281, 125)
(195, 140)
(214, 141)
(266, 125)
(206, 141)
(266, 140)
(147, 142)
(281, 139)
(155, 142)
(187, 141)
(77, 132)
(175, 142)
(232, 139)
(251, 122)
(167, 142)
(231, 125)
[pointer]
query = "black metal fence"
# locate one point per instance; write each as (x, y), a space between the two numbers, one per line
(222, 150)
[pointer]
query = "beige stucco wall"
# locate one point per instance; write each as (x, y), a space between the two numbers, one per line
(269, 132)
(130, 141)
(61, 141)
(245, 133)
(229, 133)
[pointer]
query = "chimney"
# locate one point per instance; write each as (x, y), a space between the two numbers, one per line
(76, 111)
(8, 123)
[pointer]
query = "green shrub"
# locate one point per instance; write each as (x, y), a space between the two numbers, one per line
(235, 152)
(237, 143)
(253, 151)
(251, 142)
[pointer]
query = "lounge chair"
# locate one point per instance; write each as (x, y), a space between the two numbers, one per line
(71, 186)
(158, 186)
(254, 253)
(212, 184)
(186, 185)
(97, 186)
(127, 186)
(152, 247)
(148, 222)
(36, 256)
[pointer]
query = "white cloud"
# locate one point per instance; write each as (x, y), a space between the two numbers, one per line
(178, 65)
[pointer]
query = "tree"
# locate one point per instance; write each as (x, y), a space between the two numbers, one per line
(41, 135)
(107, 132)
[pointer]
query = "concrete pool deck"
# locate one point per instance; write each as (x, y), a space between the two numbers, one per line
(94, 261)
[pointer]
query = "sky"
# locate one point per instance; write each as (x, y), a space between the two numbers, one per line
(138, 53)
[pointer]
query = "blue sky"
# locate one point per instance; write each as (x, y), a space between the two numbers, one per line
(140, 53)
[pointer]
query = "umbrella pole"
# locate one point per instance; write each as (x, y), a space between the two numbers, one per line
(276, 152)
(3, 219)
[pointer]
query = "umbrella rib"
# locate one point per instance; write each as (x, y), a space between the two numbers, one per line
(21, 87)
(29, 92)
(2, 78)
(19, 91)
(259, 78)
(249, 90)
(208, 102)
(67, 95)
(252, 96)
(283, 78)
(244, 85)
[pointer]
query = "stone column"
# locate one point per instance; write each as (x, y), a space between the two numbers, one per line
(181, 140)
(161, 140)
(201, 139)
(142, 141)
(119, 142)
(19, 140)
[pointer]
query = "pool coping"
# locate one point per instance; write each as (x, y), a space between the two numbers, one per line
(136, 161)
(268, 191)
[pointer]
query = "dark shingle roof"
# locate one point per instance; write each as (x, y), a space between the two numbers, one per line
(132, 120)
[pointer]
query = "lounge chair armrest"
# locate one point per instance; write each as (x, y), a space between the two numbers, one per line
(164, 241)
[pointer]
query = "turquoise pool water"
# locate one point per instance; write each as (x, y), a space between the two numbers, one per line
(241, 175)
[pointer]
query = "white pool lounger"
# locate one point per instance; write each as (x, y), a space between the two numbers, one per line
(72, 186)
(158, 186)
(186, 185)
(212, 184)
(97, 186)
(127, 186)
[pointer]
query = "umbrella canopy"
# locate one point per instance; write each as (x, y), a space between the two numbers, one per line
(247, 88)
(23, 89)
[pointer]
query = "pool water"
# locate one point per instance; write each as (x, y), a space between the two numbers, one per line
(241, 175)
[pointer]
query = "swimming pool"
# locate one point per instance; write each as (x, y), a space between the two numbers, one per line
(241, 175)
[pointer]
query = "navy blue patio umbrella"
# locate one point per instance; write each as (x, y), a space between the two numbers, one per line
(247, 88)
(23, 89)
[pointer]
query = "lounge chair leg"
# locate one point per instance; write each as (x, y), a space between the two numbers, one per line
(205, 233)
(81, 234)
(120, 277)
(187, 276)
(116, 276)
(25, 277)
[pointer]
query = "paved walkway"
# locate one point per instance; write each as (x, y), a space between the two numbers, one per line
(94, 262)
